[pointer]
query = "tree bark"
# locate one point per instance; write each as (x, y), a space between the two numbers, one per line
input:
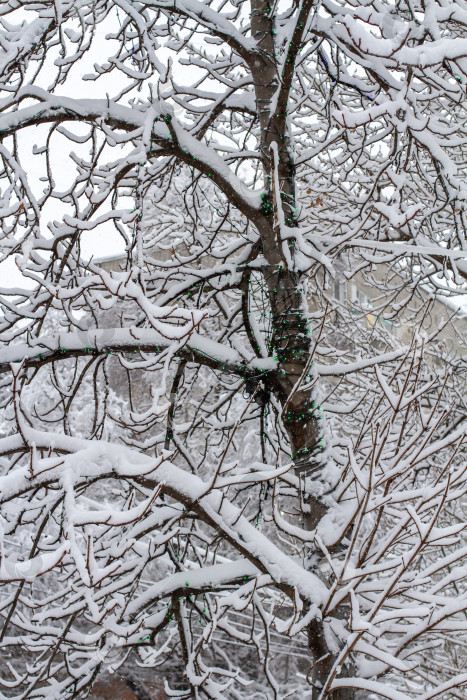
(291, 342)
(323, 661)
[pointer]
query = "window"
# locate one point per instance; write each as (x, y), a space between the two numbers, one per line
(340, 290)
(360, 298)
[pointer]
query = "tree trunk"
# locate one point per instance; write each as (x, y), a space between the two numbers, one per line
(291, 338)
(291, 341)
(323, 661)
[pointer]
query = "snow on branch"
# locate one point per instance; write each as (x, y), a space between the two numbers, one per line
(216, 23)
(232, 391)
(153, 124)
(183, 341)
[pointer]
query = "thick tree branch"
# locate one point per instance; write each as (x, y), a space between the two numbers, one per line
(197, 348)
(154, 125)
(216, 23)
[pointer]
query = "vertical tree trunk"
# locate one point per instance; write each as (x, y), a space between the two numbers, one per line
(323, 661)
(291, 340)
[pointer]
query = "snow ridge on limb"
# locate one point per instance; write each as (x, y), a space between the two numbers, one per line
(216, 23)
(184, 342)
(101, 460)
(170, 137)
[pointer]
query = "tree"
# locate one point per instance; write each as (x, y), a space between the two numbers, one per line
(294, 471)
